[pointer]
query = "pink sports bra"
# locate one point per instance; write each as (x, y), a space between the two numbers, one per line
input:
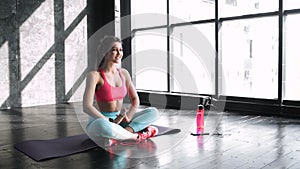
(109, 93)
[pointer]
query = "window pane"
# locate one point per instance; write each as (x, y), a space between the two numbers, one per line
(150, 59)
(292, 59)
(291, 4)
(193, 59)
(191, 10)
(241, 7)
(145, 13)
(249, 58)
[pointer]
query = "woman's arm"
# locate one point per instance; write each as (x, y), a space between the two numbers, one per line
(88, 97)
(133, 96)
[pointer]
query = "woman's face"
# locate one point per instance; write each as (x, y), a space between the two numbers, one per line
(116, 53)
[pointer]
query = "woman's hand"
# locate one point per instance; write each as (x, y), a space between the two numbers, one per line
(122, 117)
(125, 117)
(119, 119)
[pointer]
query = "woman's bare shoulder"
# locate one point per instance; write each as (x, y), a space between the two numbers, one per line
(125, 73)
(94, 75)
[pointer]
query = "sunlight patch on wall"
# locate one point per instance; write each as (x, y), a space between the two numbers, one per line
(4, 72)
(76, 55)
(71, 10)
(36, 38)
(41, 89)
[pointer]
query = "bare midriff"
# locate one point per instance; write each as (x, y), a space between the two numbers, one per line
(112, 106)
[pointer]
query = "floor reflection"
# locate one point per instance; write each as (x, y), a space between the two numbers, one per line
(133, 149)
(124, 154)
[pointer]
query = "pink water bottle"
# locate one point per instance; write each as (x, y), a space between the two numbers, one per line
(200, 117)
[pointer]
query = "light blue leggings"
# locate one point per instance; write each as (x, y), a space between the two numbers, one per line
(104, 128)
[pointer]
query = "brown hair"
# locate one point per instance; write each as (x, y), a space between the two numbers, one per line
(105, 45)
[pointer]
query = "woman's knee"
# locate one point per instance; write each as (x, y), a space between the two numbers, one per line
(153, 112)
(100, 127)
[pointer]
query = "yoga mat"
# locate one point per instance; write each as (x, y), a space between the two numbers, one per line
(45, 149)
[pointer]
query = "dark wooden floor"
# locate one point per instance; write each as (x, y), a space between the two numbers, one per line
(239, 141)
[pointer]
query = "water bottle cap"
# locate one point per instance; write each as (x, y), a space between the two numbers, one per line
(200, 106)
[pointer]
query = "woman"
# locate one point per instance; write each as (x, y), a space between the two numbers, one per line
(110, 84)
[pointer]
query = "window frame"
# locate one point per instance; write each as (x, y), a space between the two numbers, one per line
(277, 106)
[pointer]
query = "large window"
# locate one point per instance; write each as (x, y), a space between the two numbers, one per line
(255, 42)
(166, 52)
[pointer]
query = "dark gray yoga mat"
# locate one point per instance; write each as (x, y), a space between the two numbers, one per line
(45, 149)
